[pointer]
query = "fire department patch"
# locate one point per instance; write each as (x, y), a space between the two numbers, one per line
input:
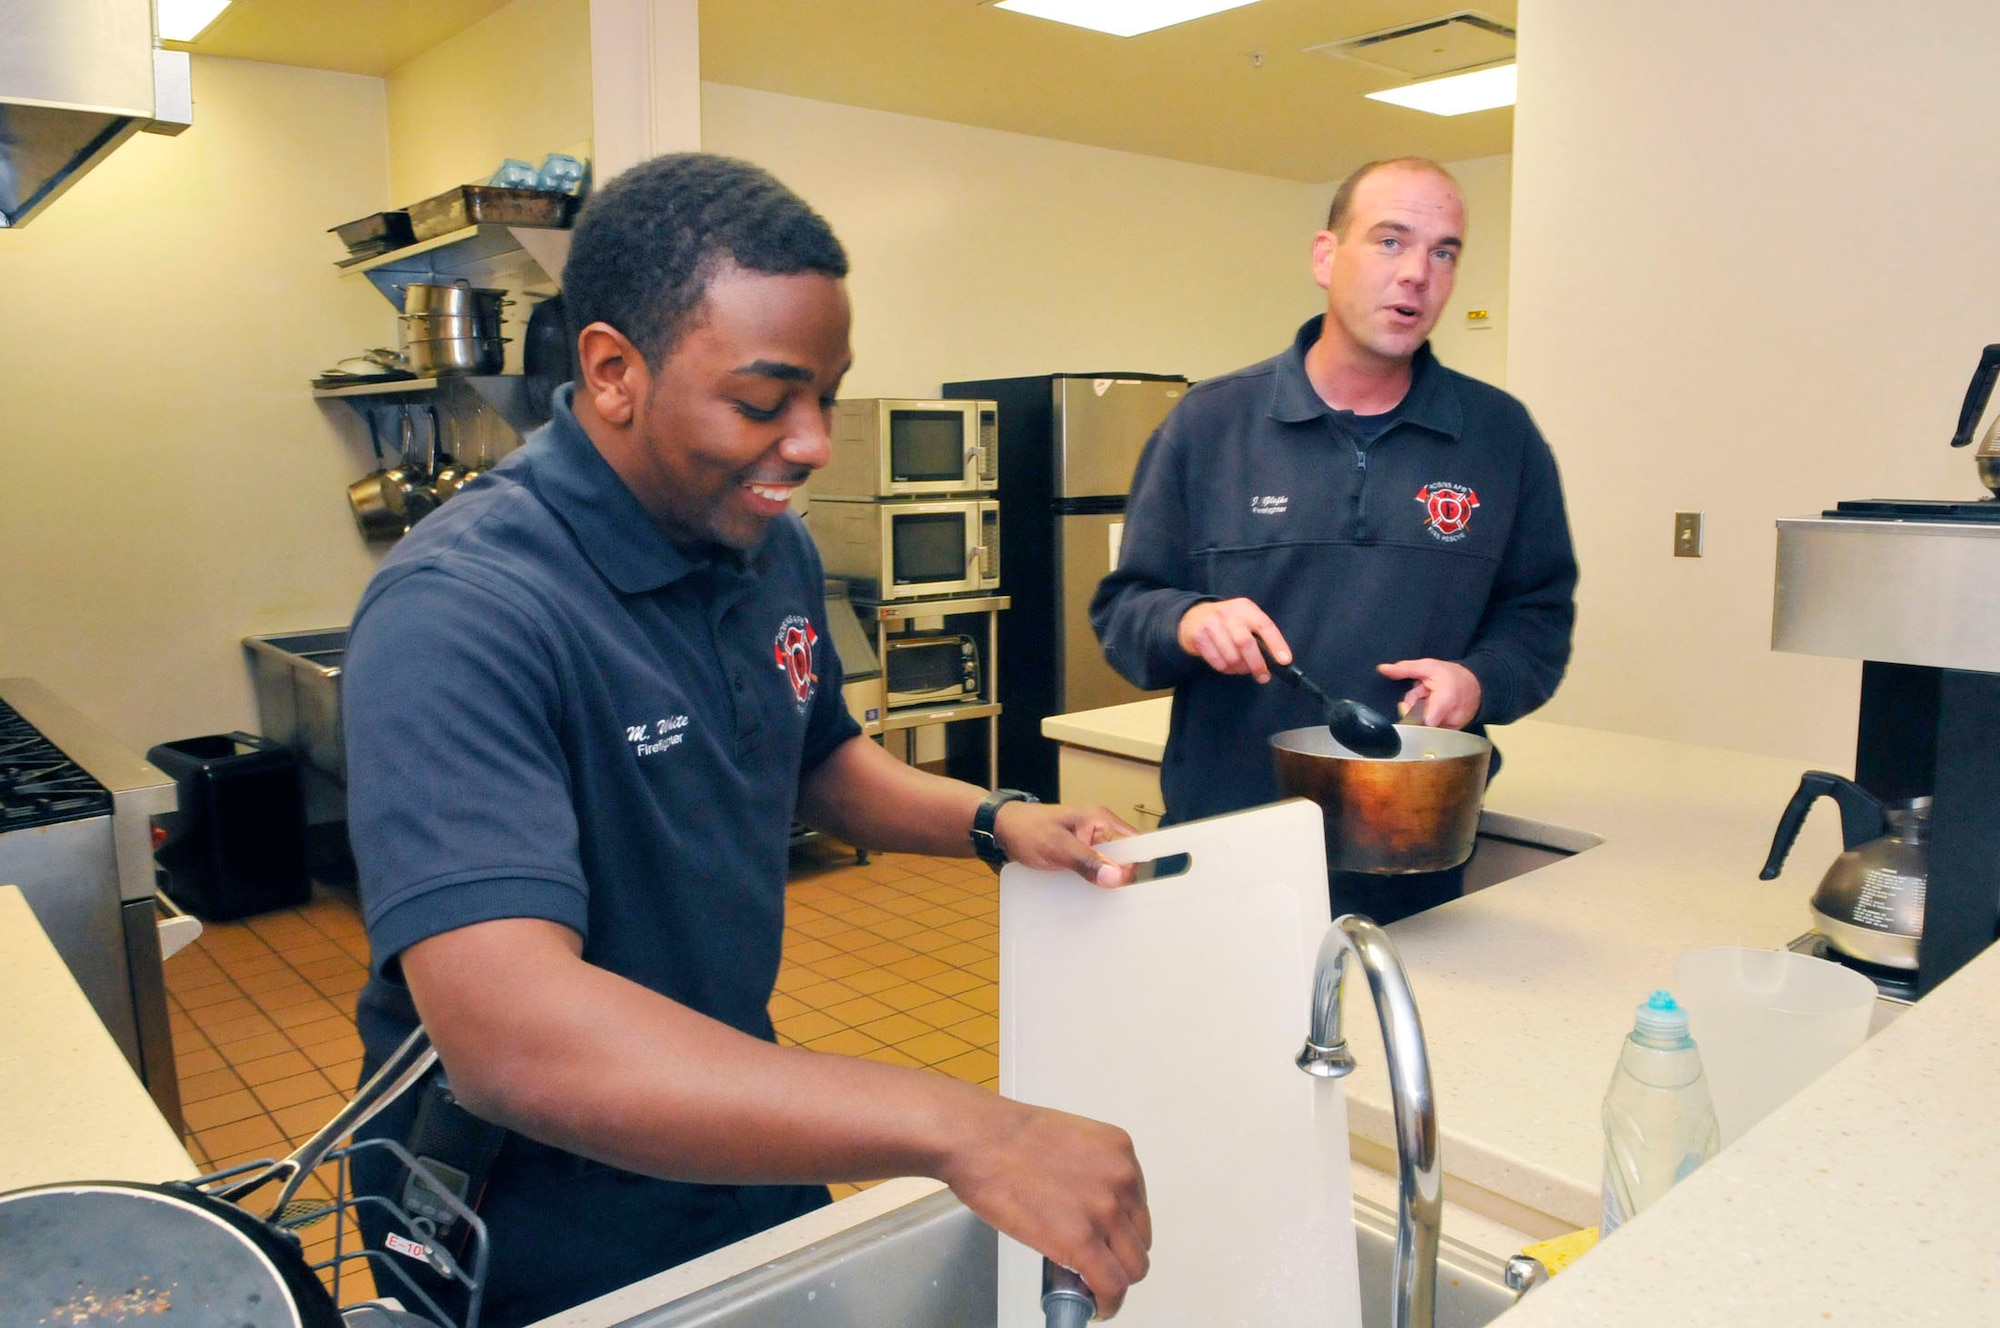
(1448, 510)
(793, 649)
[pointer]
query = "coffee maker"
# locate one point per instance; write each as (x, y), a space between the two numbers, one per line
(1912, 589)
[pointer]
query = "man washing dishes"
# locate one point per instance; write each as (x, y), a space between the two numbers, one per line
(1395, 528)
(586, 701)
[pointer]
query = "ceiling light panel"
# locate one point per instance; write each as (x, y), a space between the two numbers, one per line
(1120, 18)
(184, 20)
(1444, 45)
(1481, 90)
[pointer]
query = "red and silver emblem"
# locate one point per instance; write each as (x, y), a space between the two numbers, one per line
(793, 650)
(1448, 509)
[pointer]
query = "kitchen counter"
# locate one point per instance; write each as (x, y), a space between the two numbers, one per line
(1872, 1197)
(70, 1106)
(1137, 730)
(1526, 987)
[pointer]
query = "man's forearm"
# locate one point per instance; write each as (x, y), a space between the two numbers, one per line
(868, 797)
(588, 1062)
(582, 1059)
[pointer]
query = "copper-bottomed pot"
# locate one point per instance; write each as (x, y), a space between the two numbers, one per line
(1417, 812)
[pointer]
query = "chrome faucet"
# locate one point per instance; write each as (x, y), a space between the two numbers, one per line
(1420, 1180)
(1066, 1301)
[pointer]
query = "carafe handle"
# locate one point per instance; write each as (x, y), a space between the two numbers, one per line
(1862, 815)
(1976, 393)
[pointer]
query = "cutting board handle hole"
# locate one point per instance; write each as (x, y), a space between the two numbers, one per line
(1159, 869)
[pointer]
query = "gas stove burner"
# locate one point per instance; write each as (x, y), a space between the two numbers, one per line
(38, 784)
(1891, 984)
(1983, 512)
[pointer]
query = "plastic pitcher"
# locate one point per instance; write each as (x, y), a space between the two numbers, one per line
(1767, 1023)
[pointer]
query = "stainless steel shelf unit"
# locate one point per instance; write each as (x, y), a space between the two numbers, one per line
(975, 614)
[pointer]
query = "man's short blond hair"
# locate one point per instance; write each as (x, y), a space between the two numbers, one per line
(1343, 197)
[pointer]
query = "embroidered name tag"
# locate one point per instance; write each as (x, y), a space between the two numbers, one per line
(650, 739)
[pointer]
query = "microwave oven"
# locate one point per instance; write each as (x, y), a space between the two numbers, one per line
(929, 668)
(910, 550)
(893, 448)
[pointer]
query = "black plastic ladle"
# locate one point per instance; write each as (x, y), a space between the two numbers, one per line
(1362, 729)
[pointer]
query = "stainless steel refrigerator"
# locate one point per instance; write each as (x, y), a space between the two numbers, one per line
(1068, 445)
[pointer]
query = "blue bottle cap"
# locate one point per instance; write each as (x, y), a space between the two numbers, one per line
(1661, 1019)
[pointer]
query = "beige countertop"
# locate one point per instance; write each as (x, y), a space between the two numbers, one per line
(1527, 987)
(1873, 1197)
(1137, 729)
(70, 1106)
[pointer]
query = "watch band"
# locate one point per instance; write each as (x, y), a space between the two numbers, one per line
(983, 841)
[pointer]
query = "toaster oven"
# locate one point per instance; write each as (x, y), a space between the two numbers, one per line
(930, 668)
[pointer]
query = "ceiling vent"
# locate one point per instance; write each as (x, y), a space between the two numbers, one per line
(1443, 45)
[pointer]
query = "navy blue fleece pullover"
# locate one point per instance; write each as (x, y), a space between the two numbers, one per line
(1445, 538)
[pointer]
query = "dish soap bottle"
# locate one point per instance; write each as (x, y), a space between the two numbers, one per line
(1659, 1121)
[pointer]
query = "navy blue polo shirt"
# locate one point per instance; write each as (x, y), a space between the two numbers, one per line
(553, 711)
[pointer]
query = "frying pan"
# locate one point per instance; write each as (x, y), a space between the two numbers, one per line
(86, 1253)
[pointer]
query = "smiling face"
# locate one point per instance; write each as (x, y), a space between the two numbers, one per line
(716, 438)
(1389, 271)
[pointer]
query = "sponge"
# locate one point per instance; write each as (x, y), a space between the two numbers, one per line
(1559, 1252)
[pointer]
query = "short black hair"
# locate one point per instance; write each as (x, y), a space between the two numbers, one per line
(649, 242)
(1343, 197)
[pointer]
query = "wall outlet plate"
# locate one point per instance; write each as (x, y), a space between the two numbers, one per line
(1687, 534)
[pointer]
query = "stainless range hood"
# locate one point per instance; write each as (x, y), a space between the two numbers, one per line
(77, 78)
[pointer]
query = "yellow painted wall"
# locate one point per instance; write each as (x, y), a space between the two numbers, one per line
(978, 253)
(516, 84)
(167, 484)
(1752, 271)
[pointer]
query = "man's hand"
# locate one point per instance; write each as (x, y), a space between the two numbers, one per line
(1448, 691)
(1054, 837)
(1069, 1187)
(1224, 634)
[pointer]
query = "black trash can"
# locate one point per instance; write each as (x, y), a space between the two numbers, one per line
(237, 846)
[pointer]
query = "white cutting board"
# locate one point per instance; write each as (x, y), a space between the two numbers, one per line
(1174, 1008)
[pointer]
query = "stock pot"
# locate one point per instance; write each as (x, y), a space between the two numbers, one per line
(1415, 812)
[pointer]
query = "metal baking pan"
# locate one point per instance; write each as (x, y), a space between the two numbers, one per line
(377, 233)
(472, 204)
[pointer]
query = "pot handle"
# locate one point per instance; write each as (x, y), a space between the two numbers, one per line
(405, 1066)
(1976, 393)
(1862, 817)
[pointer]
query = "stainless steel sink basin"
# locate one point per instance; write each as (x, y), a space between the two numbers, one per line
(1510, 846)
(932, 1264)
(298, 695)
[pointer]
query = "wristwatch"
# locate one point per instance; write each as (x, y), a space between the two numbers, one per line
(983, 842)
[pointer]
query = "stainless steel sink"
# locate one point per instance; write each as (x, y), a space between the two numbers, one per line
(298, 695)
(932, 1264)
(1510, 846)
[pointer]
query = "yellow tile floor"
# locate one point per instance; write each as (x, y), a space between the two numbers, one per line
(896, 960)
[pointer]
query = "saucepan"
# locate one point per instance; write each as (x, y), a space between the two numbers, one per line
(1414, 812)
(118, 1252)
(367, 496)
(406, 488)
